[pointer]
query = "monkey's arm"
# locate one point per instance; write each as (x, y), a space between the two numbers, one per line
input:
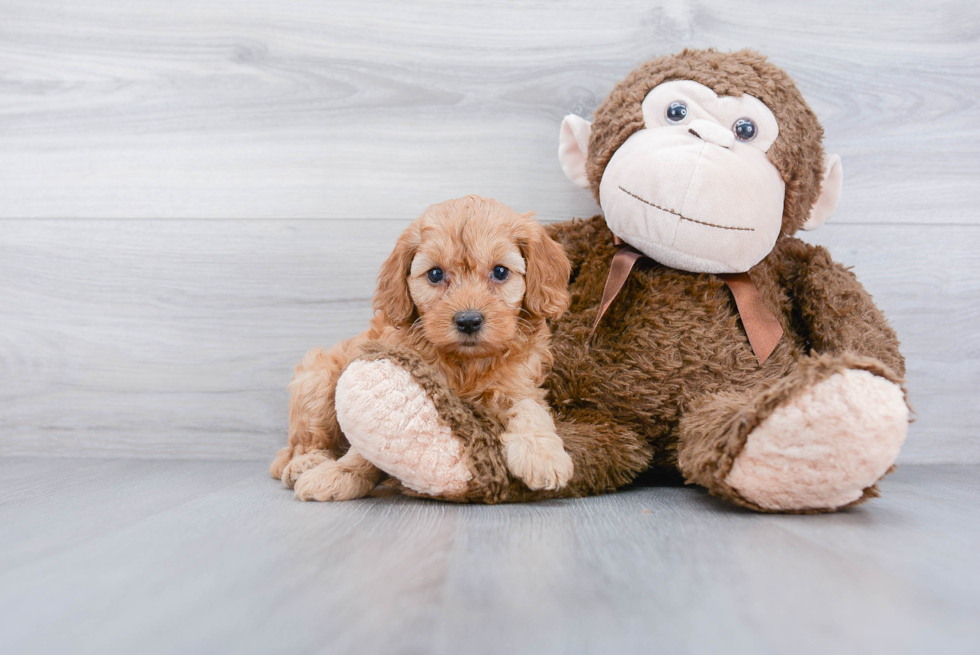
(838, 314)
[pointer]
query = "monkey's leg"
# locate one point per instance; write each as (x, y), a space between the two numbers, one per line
(606, 455)
(407, 423)
(817, 440)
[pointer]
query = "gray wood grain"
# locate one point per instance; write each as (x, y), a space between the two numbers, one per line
(374, 110)
(177, 338)
(149, 338)
(164, 557)
(172, 338)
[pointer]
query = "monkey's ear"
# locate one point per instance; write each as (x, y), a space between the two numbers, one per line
(573, 148)
(830, 188)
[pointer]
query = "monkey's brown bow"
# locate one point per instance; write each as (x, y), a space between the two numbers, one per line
(761, 327)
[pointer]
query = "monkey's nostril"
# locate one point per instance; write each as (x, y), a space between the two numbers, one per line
(694, 133)
(468, 322)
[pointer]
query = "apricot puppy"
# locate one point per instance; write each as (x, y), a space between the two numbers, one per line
(469, 286)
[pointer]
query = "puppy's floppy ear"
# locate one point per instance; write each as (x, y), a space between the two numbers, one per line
(546, 280)
(392, 297)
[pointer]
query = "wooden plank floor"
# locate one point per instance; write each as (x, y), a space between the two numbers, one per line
(141, 556)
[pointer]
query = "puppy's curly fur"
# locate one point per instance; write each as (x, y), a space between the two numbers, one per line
(472, 256)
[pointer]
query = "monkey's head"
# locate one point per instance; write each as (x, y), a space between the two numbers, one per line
(702, 160)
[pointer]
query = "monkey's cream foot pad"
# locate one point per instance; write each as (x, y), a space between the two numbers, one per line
(826, 446)
(388, 417)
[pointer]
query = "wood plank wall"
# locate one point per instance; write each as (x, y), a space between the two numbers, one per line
(193, 193)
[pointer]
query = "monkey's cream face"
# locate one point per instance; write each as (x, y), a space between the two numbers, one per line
(694, 189)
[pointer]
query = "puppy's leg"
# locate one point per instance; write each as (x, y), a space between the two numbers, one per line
(347, 478)
(279, 463)
(534, 452)
(300, 464)
(312, 417)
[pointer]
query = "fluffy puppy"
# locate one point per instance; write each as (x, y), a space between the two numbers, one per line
(470, 286)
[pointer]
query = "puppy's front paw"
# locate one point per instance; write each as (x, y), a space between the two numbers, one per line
(300, 465)
(329, 481)
(279, 463)
(539, 459)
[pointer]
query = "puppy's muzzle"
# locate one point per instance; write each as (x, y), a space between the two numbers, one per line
(468, 322)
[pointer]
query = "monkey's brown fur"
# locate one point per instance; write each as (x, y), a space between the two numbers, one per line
(670, 378)
(671, 362)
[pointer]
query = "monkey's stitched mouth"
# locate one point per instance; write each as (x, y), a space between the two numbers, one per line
(685, 218)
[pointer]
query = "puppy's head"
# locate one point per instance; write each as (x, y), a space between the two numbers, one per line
(473, 275)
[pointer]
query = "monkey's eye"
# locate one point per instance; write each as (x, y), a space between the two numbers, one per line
(435, 275)
(676, 111)
(501, 273)
(744, 129)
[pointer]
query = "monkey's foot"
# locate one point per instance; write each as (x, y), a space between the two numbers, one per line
(825, 447)
(388, 417)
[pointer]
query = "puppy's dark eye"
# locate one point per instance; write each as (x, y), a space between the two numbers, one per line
(501, 273)
(435, 275)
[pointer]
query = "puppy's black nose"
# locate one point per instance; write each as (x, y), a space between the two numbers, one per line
(468, 322)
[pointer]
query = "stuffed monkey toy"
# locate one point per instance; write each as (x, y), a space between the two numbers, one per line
(702, 336)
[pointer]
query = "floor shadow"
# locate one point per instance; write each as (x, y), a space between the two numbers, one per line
(658, 477)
